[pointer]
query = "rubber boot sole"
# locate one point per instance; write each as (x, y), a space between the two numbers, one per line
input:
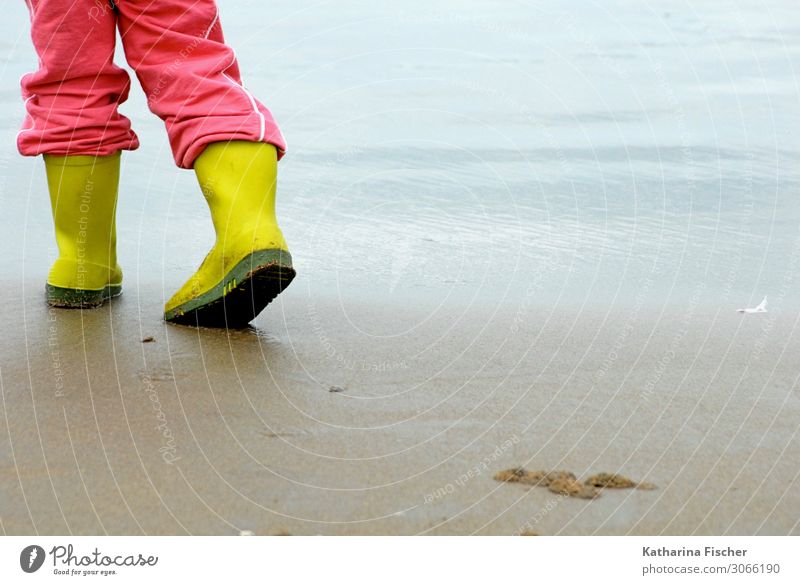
(241, 295)
(73, 298)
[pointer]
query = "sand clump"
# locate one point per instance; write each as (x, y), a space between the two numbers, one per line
(567, 484)
(615, 481)
(520, 475)
(560, 482)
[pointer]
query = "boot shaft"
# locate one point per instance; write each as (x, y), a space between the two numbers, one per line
(238, 180)
(83, 200)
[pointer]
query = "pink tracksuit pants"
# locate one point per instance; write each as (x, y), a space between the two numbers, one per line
(176, 47)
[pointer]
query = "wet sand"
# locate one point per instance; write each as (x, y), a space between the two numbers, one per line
(311, 424)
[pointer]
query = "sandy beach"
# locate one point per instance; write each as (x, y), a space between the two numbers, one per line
(307, 424)
(521, 238)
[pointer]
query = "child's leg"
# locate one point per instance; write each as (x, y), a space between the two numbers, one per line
(191, 76)
(218, 128)
(72, 99)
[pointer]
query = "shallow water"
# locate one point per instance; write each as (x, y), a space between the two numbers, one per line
(607, 154)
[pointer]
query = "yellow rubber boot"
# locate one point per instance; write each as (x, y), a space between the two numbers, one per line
(249, 264)
(83, 198)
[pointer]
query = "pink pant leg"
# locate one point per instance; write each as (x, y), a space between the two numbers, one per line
(71, 100)
(191, 76)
